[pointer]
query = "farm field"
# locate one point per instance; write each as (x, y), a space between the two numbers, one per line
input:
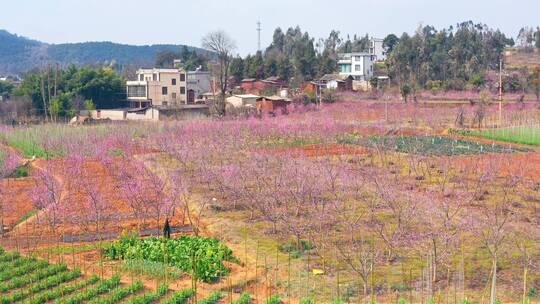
(347, 202)
(526, 134)
(35, 280)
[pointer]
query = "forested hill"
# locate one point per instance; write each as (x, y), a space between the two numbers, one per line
(19, 54)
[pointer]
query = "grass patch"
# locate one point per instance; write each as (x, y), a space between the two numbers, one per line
(26, 216)
(155, 270)
(71, 248)
(290, 142)
(527, 135)
(19, 172)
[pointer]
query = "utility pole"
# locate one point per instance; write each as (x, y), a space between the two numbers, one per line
(259, 36)
(500, 92)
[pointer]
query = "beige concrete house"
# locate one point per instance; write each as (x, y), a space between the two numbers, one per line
(158, 87)
(246, 100)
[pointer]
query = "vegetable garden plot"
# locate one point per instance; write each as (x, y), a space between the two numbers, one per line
(431, 145)
(199, 255)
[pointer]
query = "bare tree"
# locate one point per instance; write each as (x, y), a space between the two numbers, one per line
(221, 44)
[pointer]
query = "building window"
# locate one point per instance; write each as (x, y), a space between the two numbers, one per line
(182, 90)
(136, 91)
(345, 68)
(174, 95)
(164, 91)
(173, 81)
(182, 77)
(357, 58)
(164, 103)
(141, 77)
(358, 68)
(154, 77)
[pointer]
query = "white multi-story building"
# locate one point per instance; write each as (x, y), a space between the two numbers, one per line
(376, 48)
(357, 65)
(158, 87)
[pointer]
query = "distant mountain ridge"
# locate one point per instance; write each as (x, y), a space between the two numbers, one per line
(20, 54)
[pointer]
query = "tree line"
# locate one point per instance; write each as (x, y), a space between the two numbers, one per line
(450, 58)
(54, 92)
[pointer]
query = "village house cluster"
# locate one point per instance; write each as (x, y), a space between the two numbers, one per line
(166, 93)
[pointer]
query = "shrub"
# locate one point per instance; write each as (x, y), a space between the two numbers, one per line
(19, 172)
(243, 299)
(119, 293)
(274, 299)
(180, 297)
(434, 85)
(405, 90)
(211, 299)
(307, 301)
(149, 297)
(478, 80)
(329, 96)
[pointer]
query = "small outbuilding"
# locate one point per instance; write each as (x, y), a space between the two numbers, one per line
(245, 100)
(337, 82)
(273, 104)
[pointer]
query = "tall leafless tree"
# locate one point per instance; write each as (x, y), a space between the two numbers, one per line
(223, 46)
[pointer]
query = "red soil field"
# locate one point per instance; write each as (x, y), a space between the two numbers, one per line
(117, 213)
(526, 165)
(16, 199)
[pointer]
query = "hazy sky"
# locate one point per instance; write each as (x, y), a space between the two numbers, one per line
(186, 21)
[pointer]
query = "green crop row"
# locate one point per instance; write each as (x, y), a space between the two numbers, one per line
(199, 255)
(179, 297)
(15, 262)
(101, 288)
(46, 283)
(28, 266)
(212, 298)
(119, 293)
(150, 297)
(61, 291)
(32, 277)
(9, 257)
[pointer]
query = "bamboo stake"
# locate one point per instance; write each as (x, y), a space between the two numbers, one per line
(277, 266)
(256, 271)
(289, 277)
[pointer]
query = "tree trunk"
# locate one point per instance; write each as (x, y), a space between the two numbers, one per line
(493, 293)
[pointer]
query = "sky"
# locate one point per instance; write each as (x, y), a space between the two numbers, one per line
(144, 22)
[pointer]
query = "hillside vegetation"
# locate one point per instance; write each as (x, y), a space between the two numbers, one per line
(19, 54)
